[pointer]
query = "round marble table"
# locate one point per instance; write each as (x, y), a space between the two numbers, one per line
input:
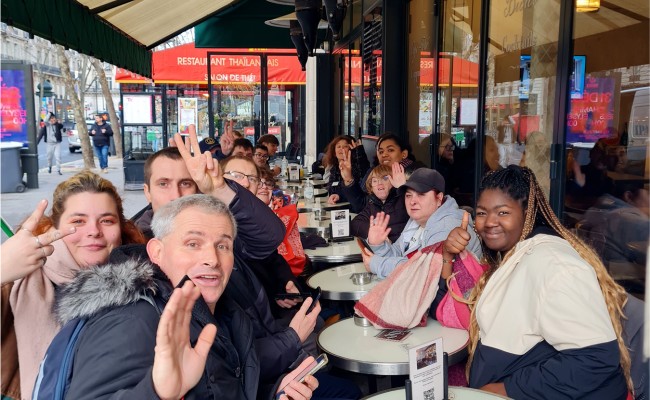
(336, 283)
(455, 393)
(336, 252)
(354, 348)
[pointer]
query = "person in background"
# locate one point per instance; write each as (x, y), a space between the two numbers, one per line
(211, 145)
(446, 150)
(546, 319)
(92, 207)
(261, 156)
(165, 178)
(432, 216)
(101, 131)
(384, 196)
(242, 147)
(337, 150)
(52, 134)
(272, 143)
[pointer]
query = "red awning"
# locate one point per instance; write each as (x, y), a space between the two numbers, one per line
(188, 65)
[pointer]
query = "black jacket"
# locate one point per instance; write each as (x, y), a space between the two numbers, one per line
(114, 354)
(101, 138)
(393, 206)
(42, 133)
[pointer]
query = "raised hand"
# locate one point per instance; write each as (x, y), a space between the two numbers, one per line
(333, 199)
(289, 303)
(25, 252)
(379, 230)
(205, 171)
(304, 323)
(345, 166)
(398, 177)
(227, 140)
(295, 390)
(355, 144)
(177, 367)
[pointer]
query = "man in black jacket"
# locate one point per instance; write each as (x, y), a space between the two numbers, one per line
(52, 134)
(101, 132)
(127, 350)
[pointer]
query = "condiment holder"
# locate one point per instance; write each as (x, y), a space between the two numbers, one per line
(362, 278)
(361, 321)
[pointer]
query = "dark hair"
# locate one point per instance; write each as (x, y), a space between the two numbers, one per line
(261, 147)
(168, 152)
(268, 138)
(241, 142)
(330, 151)
(401, 143)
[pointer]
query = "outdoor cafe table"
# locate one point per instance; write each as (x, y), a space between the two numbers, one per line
(455, 393)
(355, 348)
(335, 283)
(309, 220)
(336, 252)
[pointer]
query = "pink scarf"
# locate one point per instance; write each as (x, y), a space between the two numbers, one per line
(32, 299)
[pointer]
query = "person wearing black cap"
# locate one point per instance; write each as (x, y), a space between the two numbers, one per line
(432, 216)
(209, 144)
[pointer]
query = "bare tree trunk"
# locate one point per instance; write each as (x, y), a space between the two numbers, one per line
(117, 136)
(77, 107)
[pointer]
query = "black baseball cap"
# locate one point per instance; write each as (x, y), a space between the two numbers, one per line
(207, 144)
(425, 180)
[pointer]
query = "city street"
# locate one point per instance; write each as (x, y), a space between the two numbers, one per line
(66, 156)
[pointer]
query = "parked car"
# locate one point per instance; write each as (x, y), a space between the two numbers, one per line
(74, 143)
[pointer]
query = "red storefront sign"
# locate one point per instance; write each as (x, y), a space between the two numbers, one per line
(188, 65)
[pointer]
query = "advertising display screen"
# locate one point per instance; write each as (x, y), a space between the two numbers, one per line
(13, 105)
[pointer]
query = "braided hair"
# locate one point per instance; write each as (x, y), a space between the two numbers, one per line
(521, 185)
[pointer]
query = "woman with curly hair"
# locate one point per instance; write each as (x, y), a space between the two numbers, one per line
(337, 150)
(546, 315)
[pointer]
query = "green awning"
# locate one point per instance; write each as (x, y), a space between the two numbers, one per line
(73, 26)
(242, 26)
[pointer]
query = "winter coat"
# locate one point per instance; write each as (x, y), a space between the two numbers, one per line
(447, 217)
(393, 206)
(143, 221)
(115, 352)
(101, 138)
(545, 331)
(42, 133)
(9, 368)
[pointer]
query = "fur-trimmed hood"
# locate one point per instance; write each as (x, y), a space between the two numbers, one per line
(100, 287)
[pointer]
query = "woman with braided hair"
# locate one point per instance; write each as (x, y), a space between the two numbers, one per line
(546, 315)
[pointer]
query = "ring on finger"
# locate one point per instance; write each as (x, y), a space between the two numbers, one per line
(38, 242)
(25, 229)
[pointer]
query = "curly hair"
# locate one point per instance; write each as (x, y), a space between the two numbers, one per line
(521, 185)
(330, 151)
(87, 181)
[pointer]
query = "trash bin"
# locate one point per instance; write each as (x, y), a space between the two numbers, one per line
(29, 162)
(12, 173)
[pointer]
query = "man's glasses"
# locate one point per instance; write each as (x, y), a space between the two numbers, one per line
(262, 156)
(238, 176)
(376, 181)
(449, 147)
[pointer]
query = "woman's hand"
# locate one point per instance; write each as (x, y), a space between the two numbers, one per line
(345, 165)
(379, 230)
(333, 199)
(457, 240)
(289, 303)
(398, 177)
(25, 252)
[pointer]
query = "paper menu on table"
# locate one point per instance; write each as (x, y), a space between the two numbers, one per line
(340, 223)
(426, 371)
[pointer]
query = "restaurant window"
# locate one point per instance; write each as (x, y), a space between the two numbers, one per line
(606, 200)
(352, 71)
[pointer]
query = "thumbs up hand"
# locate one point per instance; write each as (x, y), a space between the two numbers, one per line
(457, 239)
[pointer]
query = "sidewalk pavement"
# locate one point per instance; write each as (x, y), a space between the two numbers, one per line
(15, 207)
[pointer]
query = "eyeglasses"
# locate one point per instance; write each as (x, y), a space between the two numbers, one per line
(267, 184)
(449, 147)
(238, 176)
(262, 156)
(376, 181)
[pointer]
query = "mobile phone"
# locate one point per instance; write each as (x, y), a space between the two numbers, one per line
(314, 297)
(309, 370)
(364, 245)
(291, 296)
